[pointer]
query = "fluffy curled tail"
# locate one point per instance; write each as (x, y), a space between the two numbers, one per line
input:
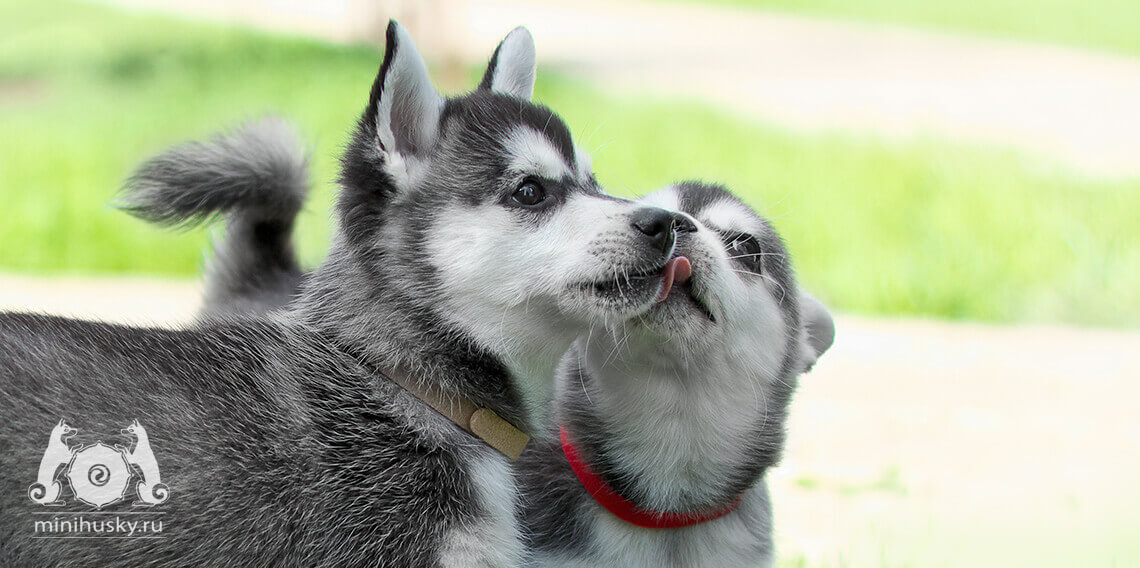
(256, 177)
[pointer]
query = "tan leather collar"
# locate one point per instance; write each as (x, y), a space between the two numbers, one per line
(483, 423)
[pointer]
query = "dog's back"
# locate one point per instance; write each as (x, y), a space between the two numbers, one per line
(100, 377)
(276, 451)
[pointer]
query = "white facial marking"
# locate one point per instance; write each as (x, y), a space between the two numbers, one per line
(532, 153)
(729, 216)
(585, 163)
(504, 281)
(667, 199)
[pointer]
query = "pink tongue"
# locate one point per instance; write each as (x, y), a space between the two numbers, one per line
(677, 270)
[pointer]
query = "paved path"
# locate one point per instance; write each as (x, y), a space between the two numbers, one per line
(912, 443)
(1079, 107)
(139, 301)
(921, 443)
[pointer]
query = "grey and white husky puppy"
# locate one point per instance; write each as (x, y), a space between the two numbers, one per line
(671, 418)
(473, 245)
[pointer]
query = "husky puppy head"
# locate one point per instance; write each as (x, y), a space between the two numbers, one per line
(481, 227)
(736, 293)
(684, 404)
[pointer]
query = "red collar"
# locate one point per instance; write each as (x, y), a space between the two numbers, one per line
(625, 509)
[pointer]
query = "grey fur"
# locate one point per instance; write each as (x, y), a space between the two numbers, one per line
(819, 327)
(278, 434)
(257, 177)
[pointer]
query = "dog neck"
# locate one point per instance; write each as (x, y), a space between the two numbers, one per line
(376, 321)
(625, 509)
(676, 436)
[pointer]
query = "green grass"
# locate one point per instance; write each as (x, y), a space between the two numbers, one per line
(927, 228)
(1112, 25)
(85, 93)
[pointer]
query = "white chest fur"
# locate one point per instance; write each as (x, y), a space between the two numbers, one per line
(739, 539)
(494, 541)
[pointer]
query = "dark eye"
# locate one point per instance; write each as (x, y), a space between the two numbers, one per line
(529, 194)
(744, 249)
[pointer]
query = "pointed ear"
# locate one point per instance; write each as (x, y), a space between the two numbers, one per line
(512, 67)
(819, 329)
(406, 106)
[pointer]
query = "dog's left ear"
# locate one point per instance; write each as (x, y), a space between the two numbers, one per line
(512, 67)
(818, 329)
(407, 107)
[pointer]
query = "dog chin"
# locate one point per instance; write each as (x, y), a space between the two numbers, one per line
(679, 318)
(609, 302)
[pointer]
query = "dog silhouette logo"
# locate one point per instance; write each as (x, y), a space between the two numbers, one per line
(46, 489)
(98, 474)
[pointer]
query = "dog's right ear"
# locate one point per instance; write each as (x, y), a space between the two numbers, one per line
(404, 104)
(512, 67)
(818, 329)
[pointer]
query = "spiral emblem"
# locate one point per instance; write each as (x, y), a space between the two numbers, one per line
(99, 475)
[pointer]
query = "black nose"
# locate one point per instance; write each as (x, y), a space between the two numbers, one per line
(661, 226)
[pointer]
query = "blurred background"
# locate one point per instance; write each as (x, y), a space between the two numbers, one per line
(959, 181)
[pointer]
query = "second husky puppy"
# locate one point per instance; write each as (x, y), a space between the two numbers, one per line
(472, 246)
(668, 421)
